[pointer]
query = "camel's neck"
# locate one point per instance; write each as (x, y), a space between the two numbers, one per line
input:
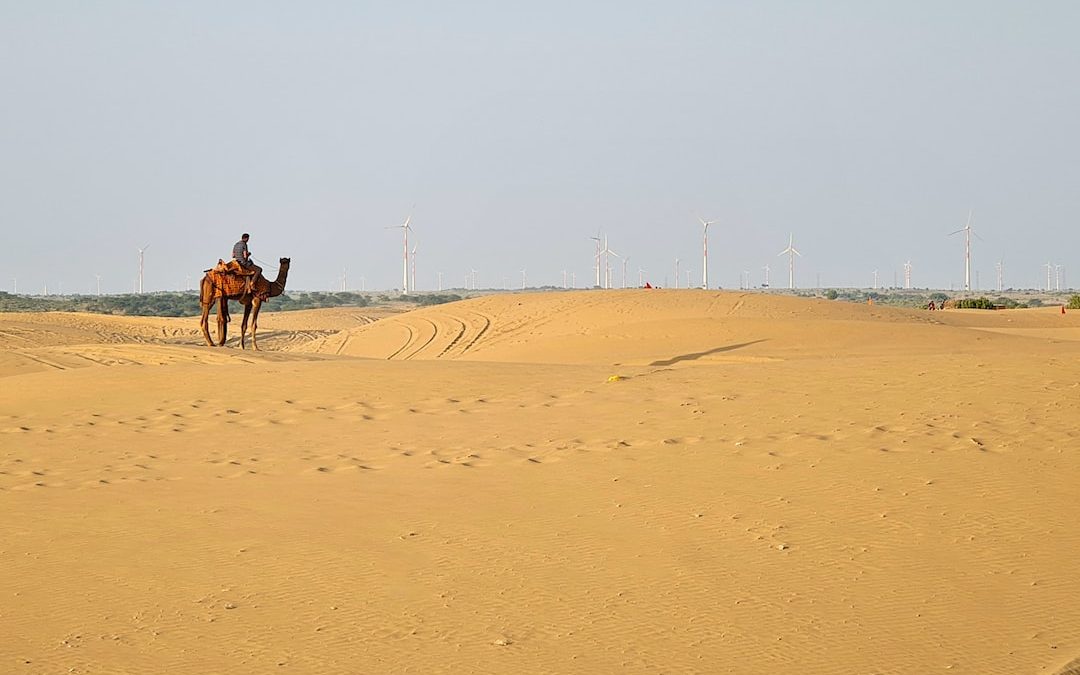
(277, 286)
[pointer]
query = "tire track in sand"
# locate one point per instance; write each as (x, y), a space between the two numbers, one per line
(434, 332)
(457, 338)
(408, 341)
(479, 334)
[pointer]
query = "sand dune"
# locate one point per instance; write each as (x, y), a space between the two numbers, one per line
(767, 485)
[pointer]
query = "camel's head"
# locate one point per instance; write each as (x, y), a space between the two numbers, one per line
(284, 262)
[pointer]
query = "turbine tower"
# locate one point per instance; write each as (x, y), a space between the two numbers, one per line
(523, 279)
(98, 283)
(1000, 267)
(791, 253)
(596, 261)
(966, 229)
(625, 262)
(1049, 268)
(607, 253)
(907, 275)
(766, 284)
(141, 252)
(705, 251)
(676, 272)
(412, 260)
(405, 227)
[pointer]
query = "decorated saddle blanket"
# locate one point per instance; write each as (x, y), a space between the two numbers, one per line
(233, 279)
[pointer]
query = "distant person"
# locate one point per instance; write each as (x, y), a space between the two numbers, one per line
(931, 306)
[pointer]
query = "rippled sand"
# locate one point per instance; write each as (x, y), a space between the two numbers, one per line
(583, 482)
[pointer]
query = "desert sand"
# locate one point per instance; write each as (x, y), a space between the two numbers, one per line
(585, 482)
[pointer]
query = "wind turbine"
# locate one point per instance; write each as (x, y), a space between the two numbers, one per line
(640, 277)
(597, 257)
(966, 229)
(141, 252)
(607, 253)
(98, 283)
(1000, 267)
(405, 227)
(439, 275)
(875, 280)
(907, 275)
(1049, 268)
(676, 272)
(766, 268)
(523, 279)
(791, 253)
(705, 251)
(625, 261)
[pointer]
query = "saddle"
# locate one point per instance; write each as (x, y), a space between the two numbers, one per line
(235, 273)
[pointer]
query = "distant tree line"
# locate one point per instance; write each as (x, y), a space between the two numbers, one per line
(187, 303)
(911, 298)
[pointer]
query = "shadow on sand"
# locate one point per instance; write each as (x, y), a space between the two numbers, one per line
(692, 357)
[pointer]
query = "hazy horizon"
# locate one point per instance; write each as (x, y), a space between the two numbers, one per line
(513, 134)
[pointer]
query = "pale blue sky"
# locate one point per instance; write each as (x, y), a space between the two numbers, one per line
(867, 129)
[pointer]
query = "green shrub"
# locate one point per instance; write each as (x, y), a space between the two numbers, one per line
(1074, 302)
(436, 299)
(973, 303)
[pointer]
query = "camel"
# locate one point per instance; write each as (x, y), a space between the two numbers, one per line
(220, 287)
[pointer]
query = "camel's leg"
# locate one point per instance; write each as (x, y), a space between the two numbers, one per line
(223, 321)
(204, 323)
(255, 322)
(244, 325)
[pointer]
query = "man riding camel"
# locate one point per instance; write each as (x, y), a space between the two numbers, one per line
(241, 263)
